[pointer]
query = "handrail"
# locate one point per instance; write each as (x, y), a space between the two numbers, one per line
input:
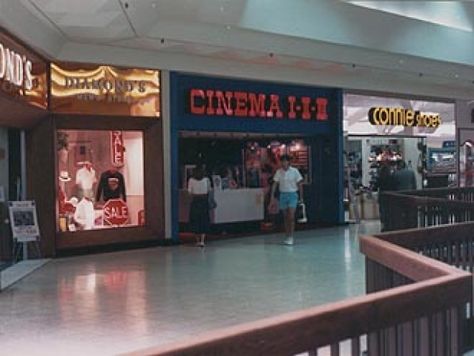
(354, 317)
(437, 287)
(428, 207)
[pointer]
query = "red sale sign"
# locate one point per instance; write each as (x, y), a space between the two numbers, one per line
(117, 149)
(115, 212)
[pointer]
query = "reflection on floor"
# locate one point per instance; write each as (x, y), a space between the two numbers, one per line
(118, 302)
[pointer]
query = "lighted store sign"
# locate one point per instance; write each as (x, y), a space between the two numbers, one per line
(106, 90)
(15, 68)
(403, 117)
(258, 105)
(22, 73)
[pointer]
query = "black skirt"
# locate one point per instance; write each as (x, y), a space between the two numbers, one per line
(199, 215)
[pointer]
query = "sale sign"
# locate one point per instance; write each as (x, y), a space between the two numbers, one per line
(115, 212)
(117, 149)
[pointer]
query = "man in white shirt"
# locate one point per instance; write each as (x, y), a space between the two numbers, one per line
(290, 182)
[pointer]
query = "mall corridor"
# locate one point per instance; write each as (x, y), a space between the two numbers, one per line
(131, 130)
(117, 302)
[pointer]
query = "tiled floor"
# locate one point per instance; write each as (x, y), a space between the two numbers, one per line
(118, 302)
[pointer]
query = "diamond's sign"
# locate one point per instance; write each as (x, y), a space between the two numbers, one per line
(104, 90)
(22, 72)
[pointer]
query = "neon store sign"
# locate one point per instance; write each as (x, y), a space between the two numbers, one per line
(256, 105)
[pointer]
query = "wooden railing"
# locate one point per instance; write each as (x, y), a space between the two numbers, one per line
(428, 207)
(417, 304)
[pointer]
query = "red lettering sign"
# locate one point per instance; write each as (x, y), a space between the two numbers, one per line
(246, 104)
(196, 108)
(117, 149)
(115, 212)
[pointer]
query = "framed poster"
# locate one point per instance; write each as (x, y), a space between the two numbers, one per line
(24, 221)
(2, 194)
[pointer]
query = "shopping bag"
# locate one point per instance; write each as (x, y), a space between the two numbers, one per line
(301, 214)
(273, 208)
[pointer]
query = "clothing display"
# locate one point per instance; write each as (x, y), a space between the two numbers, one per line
(111, 186)
(288, 180)
(85, 179)
(85, 214)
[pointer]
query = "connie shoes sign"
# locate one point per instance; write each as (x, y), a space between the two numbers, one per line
(22, 72)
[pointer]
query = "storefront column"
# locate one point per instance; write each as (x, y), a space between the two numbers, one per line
(166, 121)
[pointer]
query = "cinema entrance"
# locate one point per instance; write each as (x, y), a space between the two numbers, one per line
(237, 130)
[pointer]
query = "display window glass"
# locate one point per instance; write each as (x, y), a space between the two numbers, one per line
(100, 179)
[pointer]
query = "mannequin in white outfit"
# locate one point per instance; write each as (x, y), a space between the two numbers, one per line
(84, 215)
(86, 178)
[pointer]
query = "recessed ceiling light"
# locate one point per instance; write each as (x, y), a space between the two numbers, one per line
(153, 4)
(228, 27)
(456, 75)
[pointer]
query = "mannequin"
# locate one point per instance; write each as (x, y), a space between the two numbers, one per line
(85, 179)
(84, 215)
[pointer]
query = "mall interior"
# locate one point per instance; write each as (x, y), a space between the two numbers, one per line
(146, 206)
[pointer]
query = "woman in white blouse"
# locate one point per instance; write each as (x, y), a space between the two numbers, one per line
(199, 187)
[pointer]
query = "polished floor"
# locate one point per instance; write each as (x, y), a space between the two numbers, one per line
(118, 302)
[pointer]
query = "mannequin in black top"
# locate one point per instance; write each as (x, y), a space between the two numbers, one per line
(111, 186)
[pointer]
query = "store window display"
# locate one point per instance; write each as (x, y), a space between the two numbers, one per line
(107, 189)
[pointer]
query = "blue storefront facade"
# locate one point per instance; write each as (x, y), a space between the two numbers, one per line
(217, 105)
